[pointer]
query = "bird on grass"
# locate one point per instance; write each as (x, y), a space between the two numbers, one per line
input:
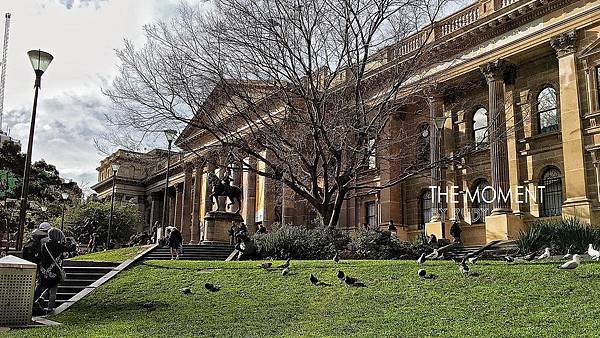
(572, 264)
(266, 265)
(463, 268)
(313, 280)
(341, 276)
(595, 254)
(185, 291)
(568, 254)
(546, 254)
(433, 255)
(149, 305)
(285, 271)
(422, 259)
(529, 257)
(286, 264)
(509, 259)
(473, 260)
(212, 288)
(336, 258)
(423, 274)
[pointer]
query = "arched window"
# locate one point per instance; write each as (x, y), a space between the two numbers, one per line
(423, 155)
(426, 208)
(552, 198)
(480, 126)
(547, 110)
(481, 198)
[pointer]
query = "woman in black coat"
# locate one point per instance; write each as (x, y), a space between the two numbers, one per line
(51, 260)
(175, 240)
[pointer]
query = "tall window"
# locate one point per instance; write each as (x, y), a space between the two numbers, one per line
(552, 198)
(480, 207)
(371, 214)
(547, 110)
(424, 143)
(426, 208)
(480, 126)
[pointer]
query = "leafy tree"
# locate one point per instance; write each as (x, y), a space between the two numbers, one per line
(92, 217)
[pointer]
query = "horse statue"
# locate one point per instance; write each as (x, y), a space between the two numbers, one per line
(224, 188)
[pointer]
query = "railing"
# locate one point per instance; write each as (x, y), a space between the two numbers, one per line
(411, 44)
(505, 3)
(459, 20)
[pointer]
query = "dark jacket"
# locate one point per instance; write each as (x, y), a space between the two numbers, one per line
(175, 239)
(49, 270)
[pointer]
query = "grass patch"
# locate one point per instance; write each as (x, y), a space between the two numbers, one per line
(114, 255)
(525, 300)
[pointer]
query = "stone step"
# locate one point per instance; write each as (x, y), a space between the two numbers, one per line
(75, 282)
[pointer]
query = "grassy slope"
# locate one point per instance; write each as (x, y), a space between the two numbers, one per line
(533, 299)
(115, 255)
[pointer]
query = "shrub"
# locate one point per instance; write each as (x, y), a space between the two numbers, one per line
(380, 244)
(299, 242)
(559, 235)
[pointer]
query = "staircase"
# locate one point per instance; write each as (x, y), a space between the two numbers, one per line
(461, 251)
(80, 274)
(497, 251)
(201, 252)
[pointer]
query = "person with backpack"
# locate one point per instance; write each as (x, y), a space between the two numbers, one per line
(175, 241)
(32, 249)
(51, 261)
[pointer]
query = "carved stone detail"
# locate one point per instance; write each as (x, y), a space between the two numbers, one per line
(564, 43)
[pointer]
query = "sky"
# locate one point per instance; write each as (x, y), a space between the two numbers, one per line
(82, 36)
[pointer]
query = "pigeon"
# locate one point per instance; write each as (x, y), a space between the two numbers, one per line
(148, 305)
(473, 260)
(568, 254)
(341, 276)
(210, 287)
(286, 264)
(433, 255)
(529, 257)
(463, 268)
(336, 258)
(350, 281)
(285, 271)
(509, 259)
(314, 280)
(422, 273)
(595, 254)
(185, 291)
(546, 254)
(266, 265)
(421, 259)
(572, 264)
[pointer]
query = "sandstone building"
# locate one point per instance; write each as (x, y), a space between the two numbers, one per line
(533, 64)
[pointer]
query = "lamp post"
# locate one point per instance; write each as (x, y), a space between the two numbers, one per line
(438, 123)
(170, 135)
(64, 196)
(40, 61)
(115, 168)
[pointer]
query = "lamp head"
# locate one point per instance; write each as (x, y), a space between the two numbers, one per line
(40, 61)
(170, 134)
(439, 121)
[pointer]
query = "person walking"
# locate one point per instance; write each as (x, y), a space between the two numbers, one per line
(93, 243)
(32, 252)
(232, 233)
(51, 260)
(455, 231)
(175, 241)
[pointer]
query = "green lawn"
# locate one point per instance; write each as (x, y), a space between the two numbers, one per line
(115, 255)
(524, 300)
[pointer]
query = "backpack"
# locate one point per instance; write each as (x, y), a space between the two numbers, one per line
(31, 250)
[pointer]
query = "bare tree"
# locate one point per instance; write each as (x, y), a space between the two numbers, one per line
(315, 90)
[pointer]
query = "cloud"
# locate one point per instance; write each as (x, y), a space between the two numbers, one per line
(81, 3)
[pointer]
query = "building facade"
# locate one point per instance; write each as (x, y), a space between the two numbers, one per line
(528, 103)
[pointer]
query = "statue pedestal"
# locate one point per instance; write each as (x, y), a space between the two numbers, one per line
(217, 225)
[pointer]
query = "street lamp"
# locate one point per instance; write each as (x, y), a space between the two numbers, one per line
(64, 196)
(438, 122)
(115, 168)
(40, 61)
(170, 135)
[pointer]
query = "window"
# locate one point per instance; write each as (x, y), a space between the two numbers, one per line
(480, 126)
(372, 154)
(547, 110)
(423, 155)
(552, 199)
(371, 215)
(480, 206)
(425, 204)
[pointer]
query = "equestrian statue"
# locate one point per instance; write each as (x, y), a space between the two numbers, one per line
(223, 187)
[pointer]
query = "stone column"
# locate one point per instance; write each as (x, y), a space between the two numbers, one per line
(208, 203)
(196, 200)
(577, 204)
(186, 207)
(171, 206)
(502, 223)
(249, 199)
(155, 207)
(512, 128)
(178, 204)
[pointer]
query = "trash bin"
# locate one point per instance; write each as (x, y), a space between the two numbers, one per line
(17, 285)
